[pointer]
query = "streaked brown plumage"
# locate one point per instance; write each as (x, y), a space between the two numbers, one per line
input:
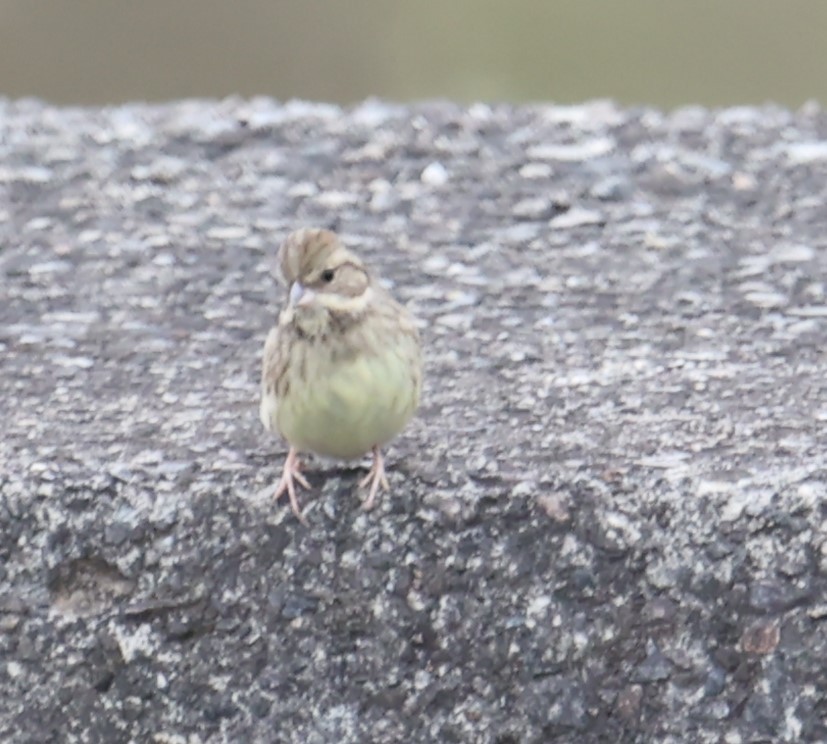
(342, 370)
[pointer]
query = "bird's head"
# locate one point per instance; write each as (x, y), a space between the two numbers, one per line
(324, 277)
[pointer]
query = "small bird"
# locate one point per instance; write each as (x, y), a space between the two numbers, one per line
(342, 369)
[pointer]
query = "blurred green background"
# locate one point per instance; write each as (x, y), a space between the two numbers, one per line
(661, 52)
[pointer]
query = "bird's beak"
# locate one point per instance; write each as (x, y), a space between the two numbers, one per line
(300, 296)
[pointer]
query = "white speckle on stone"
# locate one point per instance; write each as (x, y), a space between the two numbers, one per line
(378, 606)
(581, 640)
(571, 546)
(373, 113)
(809, 311)
(49, 267)
(228, 232)
(744, 181)
(665, 460)
(742, 499)
(738, 116)
(422, 679)
(337, 199)
(434, 174)
(766, 299)
(720, 709)
(28, 174)
(536, 171)
(590, 116)
(792, 253)
(138, 641)
(163, 170)
(479, 111)
(587, 150)
(72, 318)
(803, 327)
(753, 265)
(801, 153)
(303, 189)
(576, 218)
(519, 233)
(436, 264)
(89, 236)
(818, 612)
(457, 321)
(535, 208)
(382, 200)
(812, 492)
(659, 242)
(80, 362)
(220, 682)
(38, 223)
(465, 273)
(416, 601)
(618, 521)
(555, 505)
(703, 164)
(299, 109)
(524, 276)
(536, 609)
(661, 574)
(523, 488)
(164, 259)
(792, 724)
(712, 486)
(261, 112)
(457, 298)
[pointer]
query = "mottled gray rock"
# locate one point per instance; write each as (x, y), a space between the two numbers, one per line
(607, 522)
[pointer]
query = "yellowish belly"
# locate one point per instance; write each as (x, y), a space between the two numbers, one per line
(344, 410)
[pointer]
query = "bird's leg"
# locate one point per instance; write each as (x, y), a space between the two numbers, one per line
(376, 477)
(290, 472)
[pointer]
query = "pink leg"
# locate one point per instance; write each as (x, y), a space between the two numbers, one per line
(290, 472)
(376, 477)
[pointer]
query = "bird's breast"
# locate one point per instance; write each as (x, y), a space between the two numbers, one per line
(342, 406)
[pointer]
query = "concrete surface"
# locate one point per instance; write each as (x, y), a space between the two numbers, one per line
(607, 522)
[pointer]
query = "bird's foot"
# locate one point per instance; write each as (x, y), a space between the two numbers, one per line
(376, 477)
(290, 473)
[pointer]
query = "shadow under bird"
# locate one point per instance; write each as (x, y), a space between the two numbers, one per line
(342, 369)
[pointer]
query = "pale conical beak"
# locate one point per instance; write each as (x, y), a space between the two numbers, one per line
(300, 296)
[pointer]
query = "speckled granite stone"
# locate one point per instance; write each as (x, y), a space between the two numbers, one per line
(607, 522)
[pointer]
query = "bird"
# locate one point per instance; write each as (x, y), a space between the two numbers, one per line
(342, 369)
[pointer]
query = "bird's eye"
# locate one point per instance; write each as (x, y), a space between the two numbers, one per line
(327, 275)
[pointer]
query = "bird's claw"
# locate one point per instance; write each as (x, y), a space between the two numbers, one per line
(376, 477)
(291, 472)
